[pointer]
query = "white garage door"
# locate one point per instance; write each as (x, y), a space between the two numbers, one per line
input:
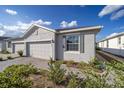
(18, 47)
(40, 50)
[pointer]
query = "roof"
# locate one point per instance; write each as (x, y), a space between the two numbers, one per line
(61, 29)
(85, 28)
(3, 37)
(35, 26)
(107, 38)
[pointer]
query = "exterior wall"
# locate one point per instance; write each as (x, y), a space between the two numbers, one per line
(114, 47)
(40, 34)
(38, 37)
(18, 46)
(2, 45)
(78, 56)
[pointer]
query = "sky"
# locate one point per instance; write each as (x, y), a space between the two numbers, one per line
(14, 20)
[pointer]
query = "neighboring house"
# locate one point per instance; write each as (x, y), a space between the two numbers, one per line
(113, 44)
(76, 44)
(3, 43)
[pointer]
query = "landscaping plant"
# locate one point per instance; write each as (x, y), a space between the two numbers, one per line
(1, 59)
(9, 57)
(15, 76)
(56, 73)
(20, 53)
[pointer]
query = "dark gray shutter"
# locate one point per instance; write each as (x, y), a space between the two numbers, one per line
(82, 43)
(64, 43)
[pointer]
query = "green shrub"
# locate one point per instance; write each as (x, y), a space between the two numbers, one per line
(100, 65)
(9, 57)
(20, 53)
(1, 59)
(97, 48)
(56, 73)
(74, 81)
(15, 76)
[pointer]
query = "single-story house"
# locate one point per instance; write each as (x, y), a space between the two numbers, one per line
(3, 43)
(113, 44)
(76, 44)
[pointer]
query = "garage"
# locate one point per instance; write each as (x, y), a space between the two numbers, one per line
(41, 50)
(18, 47)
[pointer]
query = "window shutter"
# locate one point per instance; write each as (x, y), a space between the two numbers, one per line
(82, 43)
(64, 43)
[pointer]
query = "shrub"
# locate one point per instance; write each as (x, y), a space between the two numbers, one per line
(20, 53)
(74, 81)
(15, 76)
(1, 59)
(97, 48)
(56, 73)
(95, 63)
(9, 57)
(5, 52)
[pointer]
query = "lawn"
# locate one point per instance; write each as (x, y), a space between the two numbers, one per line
(96, 74)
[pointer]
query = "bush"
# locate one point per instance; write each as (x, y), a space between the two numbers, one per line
(9, 57)
(95, 63)
(1, 59)
(56, 73)
(5, 52)
(20, 53)
(15, 76)
(97, 48)
(74, 81)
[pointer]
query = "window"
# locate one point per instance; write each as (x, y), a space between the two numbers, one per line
(9, 44)
(72, 43)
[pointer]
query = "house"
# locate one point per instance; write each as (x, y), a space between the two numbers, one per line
(113, 44)
(3, 43)
(76, 44)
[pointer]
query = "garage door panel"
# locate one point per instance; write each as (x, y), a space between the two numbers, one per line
(18, 47)
(40, 50)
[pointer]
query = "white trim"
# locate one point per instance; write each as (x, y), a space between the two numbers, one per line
(49, 29)
(80, 29)
(75, 43)
(32, 25)
(73, 52)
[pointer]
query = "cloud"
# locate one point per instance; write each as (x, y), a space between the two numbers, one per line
(20, 27)
(65, 24)
(117, 15)
(2, 33)
(11, 12)
(41, 22)
(109, 9)
(111, 35)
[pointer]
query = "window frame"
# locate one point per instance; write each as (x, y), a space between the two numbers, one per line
(72, 43)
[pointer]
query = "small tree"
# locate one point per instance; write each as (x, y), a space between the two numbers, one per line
(20, 53)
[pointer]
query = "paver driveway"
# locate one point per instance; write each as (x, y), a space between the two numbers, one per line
(39, 63)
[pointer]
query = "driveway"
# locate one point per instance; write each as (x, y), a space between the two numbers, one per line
(39, 63)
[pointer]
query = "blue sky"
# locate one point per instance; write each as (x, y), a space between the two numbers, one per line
(14, 20)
